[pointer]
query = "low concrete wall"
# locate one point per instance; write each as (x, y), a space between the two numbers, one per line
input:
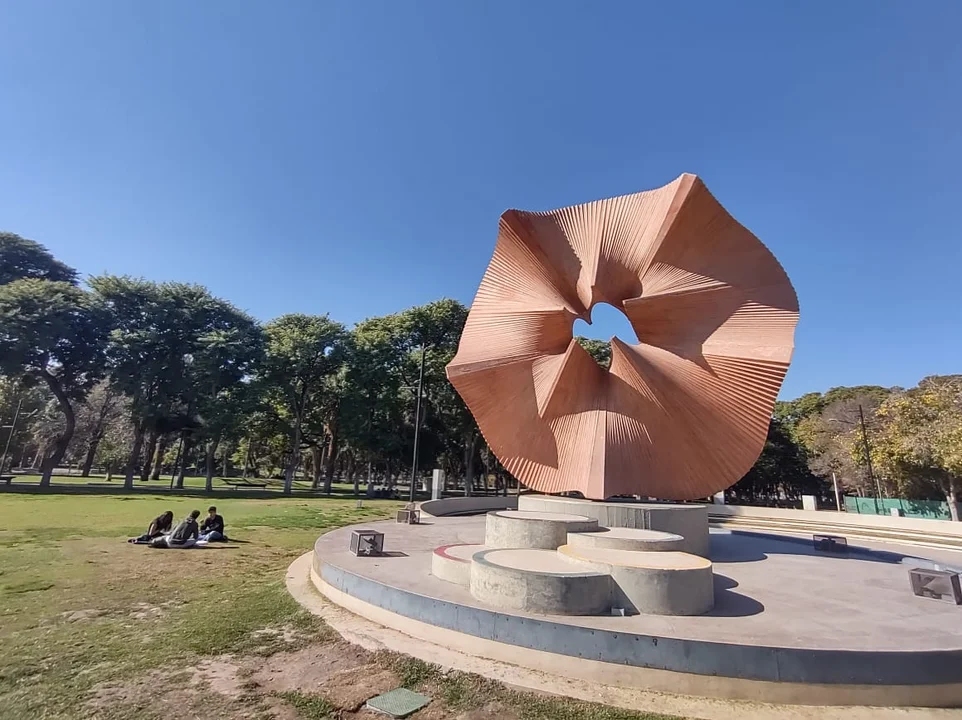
(689, 521)
(932, 533)
(511, 529)
(471, 505)
(584, 593)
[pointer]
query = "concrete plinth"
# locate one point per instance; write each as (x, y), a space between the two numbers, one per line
(540, 530)
(627, 539)
(689, 521)
(453, 563)
(658, 583)
(538, 581)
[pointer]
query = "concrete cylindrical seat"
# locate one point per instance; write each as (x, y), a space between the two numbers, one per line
(541, 530)
(453, 563)
(659, 583)
(627, 539)
(538, 581)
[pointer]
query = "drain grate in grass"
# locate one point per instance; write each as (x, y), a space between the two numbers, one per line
(398, 703)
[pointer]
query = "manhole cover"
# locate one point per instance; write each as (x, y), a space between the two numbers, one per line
(398, 703)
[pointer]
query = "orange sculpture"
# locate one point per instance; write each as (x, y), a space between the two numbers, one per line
(682, 414)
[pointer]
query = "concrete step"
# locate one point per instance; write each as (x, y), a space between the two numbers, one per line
(621, 538)
(538, 581)
(540, 530)
(881, 534)
(659, 582)
(453, 563)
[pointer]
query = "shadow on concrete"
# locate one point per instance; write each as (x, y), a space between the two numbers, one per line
(393, 554)
(732, 604)
(744, 546)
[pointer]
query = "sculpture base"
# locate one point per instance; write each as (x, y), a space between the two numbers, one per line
(688, 520)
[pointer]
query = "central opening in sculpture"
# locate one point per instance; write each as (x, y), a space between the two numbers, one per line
(607, 321)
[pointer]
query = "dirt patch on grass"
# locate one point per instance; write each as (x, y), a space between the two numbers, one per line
(307, 669)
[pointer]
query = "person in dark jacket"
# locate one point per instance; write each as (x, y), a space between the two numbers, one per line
(213, 528)
(183, 536)
(158, 527)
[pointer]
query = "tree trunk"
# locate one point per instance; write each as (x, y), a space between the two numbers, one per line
(295, 455)
(470, 450)
(184, 455)
(149, 456)
(134, 459)
(316, 465)
(159, 459)
(98, 435)
(91, 454)
(110, 471)
(357, 480)
(211, 458)
(952, 497)
(70, 422)
(331, 457)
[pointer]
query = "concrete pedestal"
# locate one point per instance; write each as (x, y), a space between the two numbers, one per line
(689, 521)
(541, 530)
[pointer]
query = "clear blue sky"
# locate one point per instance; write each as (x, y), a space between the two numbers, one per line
(354, 157)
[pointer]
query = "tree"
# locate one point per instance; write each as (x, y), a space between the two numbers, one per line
(918, 443)
(175, 351)
(102, 406)
(302, 353)
(781, 471)
(53, 332)
(22, 259)
(600, 350)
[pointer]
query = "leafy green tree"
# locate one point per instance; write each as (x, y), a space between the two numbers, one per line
(22, 259)
(918, 442)
(53, 333)
(600, 350)
(781, 471)
(303, 352)
(177, 352)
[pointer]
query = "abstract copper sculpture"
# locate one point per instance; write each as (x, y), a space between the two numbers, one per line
(682, 414)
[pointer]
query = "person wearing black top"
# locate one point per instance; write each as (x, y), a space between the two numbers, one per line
(213, 527)
(159, 527)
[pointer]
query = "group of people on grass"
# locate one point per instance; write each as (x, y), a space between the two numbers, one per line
(187, 533)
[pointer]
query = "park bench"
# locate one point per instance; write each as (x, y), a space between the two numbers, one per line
(830, 543)
(238, 484)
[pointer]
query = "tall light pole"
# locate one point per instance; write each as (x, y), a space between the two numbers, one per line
(417, 422)
(13, 429)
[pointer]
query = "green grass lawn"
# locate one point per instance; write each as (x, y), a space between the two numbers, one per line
(191, 482)
(94, 627)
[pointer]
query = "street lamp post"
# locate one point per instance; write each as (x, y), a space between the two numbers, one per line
(417, 422)
(13, 429)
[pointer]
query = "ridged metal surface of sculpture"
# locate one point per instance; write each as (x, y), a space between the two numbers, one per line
(680, 415)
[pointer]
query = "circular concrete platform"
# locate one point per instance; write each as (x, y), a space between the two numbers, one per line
(541, 530)
(538, 581)
(453, 562)
(688, 520)
(790, 624)
(627, 539)
(661, 583)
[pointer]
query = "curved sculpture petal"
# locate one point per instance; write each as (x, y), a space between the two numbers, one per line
(682, 414)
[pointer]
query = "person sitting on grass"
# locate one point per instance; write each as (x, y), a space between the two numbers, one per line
(158, 527)
(213, 528)
(183, 536)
